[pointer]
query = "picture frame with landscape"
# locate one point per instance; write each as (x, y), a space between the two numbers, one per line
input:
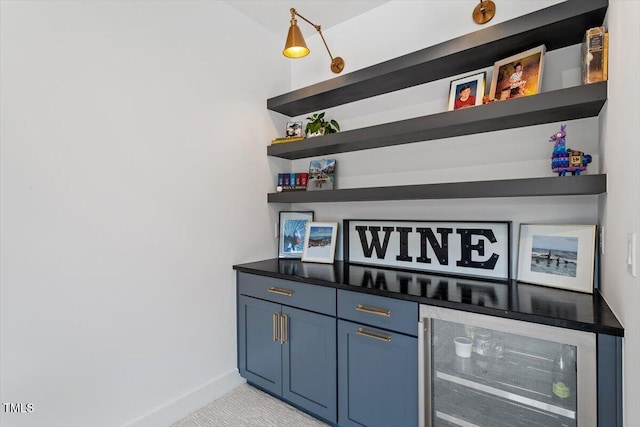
(558, 256)
(320, 242)
(518, 75)
(291, 235)
(321, 175)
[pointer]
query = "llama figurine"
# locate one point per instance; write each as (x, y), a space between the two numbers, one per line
(564, 159)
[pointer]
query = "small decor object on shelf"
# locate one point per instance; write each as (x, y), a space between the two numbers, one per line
(595, 52)
(565, 159)
(466, 92)
(317, 125)
(321, 175)
(559, 256)
(293, 226)
(518, 75)
(294, 129)
(320, 242)
(292, 182)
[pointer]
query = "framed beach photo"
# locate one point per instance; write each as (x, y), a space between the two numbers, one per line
(320, 242)
(293, 129)
(559, 256)
(467, 91)
(293, 226)
(519, 75)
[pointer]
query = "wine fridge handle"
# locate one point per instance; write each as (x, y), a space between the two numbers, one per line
(424, 374)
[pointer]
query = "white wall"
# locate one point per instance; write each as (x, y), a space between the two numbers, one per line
(620, 208)
(400, 27)
(133, 176)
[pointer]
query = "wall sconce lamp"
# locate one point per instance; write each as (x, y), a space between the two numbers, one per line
(484, 11)
(295, 47)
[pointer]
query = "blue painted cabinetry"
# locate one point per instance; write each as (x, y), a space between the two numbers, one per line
(377, 368)
(286, 350)
(259, 352)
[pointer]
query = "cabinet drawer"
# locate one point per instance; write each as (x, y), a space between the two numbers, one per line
(309, 297)
(382, 312)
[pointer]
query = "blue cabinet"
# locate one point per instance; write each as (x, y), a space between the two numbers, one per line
(288, 351)
(309, 362)
(259, 347)
(377, 377)
(377, 361)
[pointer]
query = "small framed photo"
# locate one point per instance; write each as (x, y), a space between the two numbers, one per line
(518, 75)
(293, 228)
(467, 91)
(321, 175)
(559, 256)
(320, 242)
(293, 129)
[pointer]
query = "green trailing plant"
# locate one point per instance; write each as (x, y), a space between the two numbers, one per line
(317, 123)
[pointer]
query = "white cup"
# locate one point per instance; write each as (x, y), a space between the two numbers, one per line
(463, 346)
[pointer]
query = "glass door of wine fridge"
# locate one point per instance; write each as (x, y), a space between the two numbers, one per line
(484, 371)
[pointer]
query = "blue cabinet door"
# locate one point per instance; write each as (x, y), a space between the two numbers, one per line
(309, 362)
(259, 354)
(377, 377)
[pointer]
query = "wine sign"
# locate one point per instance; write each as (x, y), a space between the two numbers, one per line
(479, 249)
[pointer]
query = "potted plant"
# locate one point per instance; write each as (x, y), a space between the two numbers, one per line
(317, 125)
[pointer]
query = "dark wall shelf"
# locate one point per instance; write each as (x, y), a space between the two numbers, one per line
(525, 187)
(564, 104)
(557, 26)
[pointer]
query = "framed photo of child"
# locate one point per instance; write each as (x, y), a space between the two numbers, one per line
(467, 91)
(519, 75)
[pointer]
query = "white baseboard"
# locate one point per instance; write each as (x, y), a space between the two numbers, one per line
(178, 408)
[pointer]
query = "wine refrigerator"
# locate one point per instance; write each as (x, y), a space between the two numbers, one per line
(485, 371)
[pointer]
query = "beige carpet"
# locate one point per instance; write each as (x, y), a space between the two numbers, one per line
(246, 406)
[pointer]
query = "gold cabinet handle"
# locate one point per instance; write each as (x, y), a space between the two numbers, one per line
(276, 326)
(280, 291)
(373, 310)
(373, 334)
(283, 329)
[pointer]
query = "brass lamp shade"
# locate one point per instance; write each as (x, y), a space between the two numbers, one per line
(295, 47)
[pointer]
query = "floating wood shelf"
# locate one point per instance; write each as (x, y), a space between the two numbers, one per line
(525, 187)
(548, 107)
(556, 27)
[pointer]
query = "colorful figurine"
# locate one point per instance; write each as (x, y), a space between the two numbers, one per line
(564, 159)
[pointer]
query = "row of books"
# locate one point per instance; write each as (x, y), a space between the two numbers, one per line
(287, 139)
(293, 181)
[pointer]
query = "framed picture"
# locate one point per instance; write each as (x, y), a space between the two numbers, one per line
(293, 226)
(467, 91)
(293, 129)
(480, 249)
(560, 256)
(320, 242)
(518, 75)
(321, 175)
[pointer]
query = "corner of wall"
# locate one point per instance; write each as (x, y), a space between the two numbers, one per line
(174, 410)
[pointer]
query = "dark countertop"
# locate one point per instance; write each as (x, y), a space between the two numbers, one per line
(512, 300)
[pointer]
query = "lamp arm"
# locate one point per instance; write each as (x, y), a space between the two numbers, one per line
(317, 27)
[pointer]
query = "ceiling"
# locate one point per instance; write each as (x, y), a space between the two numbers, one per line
(274, 14)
